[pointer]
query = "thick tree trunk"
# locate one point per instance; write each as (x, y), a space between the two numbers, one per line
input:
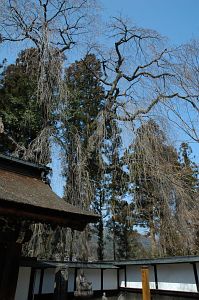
(114, 242)
(71, 245)
(152, 238)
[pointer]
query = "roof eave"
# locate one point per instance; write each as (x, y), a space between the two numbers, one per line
(55, 217)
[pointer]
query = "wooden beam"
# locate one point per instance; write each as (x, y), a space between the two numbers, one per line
(71, 220)
(146, 295)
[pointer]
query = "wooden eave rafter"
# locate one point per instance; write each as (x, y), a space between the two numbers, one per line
(45, 216)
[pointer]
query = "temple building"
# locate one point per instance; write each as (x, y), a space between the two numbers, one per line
(25, 199)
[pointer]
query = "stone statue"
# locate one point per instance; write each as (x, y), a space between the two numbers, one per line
(82, 284)
(104, 297)
(121, 297)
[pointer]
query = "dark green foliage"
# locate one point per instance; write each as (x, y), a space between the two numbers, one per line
(190, 169)
(84, 101)
(141, 170)
(85, 98)
(121, 227)
(120, 223)
(190, 177)
(19, 109)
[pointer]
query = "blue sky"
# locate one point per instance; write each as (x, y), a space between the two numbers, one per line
(176, 19)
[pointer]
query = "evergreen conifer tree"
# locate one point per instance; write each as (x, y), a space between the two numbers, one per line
(19, 109)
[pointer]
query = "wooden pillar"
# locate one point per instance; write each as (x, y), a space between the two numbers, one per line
(41, 281)
(118, 278)
(146, 295)
(13, 233)
(3, 251)
(102, 280)
(125, 277)
(10, 271)
(156, 276)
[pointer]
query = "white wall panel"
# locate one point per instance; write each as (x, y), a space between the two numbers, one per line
(37, 281)
(176, 277)
(110, 279)
(71, 276)
(23, 283)
(133, 277)
(121, 278)
(48, 281)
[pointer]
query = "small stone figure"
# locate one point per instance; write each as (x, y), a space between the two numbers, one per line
(104, 297)
(82, 284)
(121, 297)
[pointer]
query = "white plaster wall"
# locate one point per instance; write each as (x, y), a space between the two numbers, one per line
(94, 276)
(71, 277)
(133, 277)
(176, 277)
(23, 283)
(36, 283)
(48, 281)
(110, 279)
(121, 278)
(151, 277)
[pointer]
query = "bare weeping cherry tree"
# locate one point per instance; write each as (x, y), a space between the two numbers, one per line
(140, 73)
(186, 69)
(141, 78)
(164, 192)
